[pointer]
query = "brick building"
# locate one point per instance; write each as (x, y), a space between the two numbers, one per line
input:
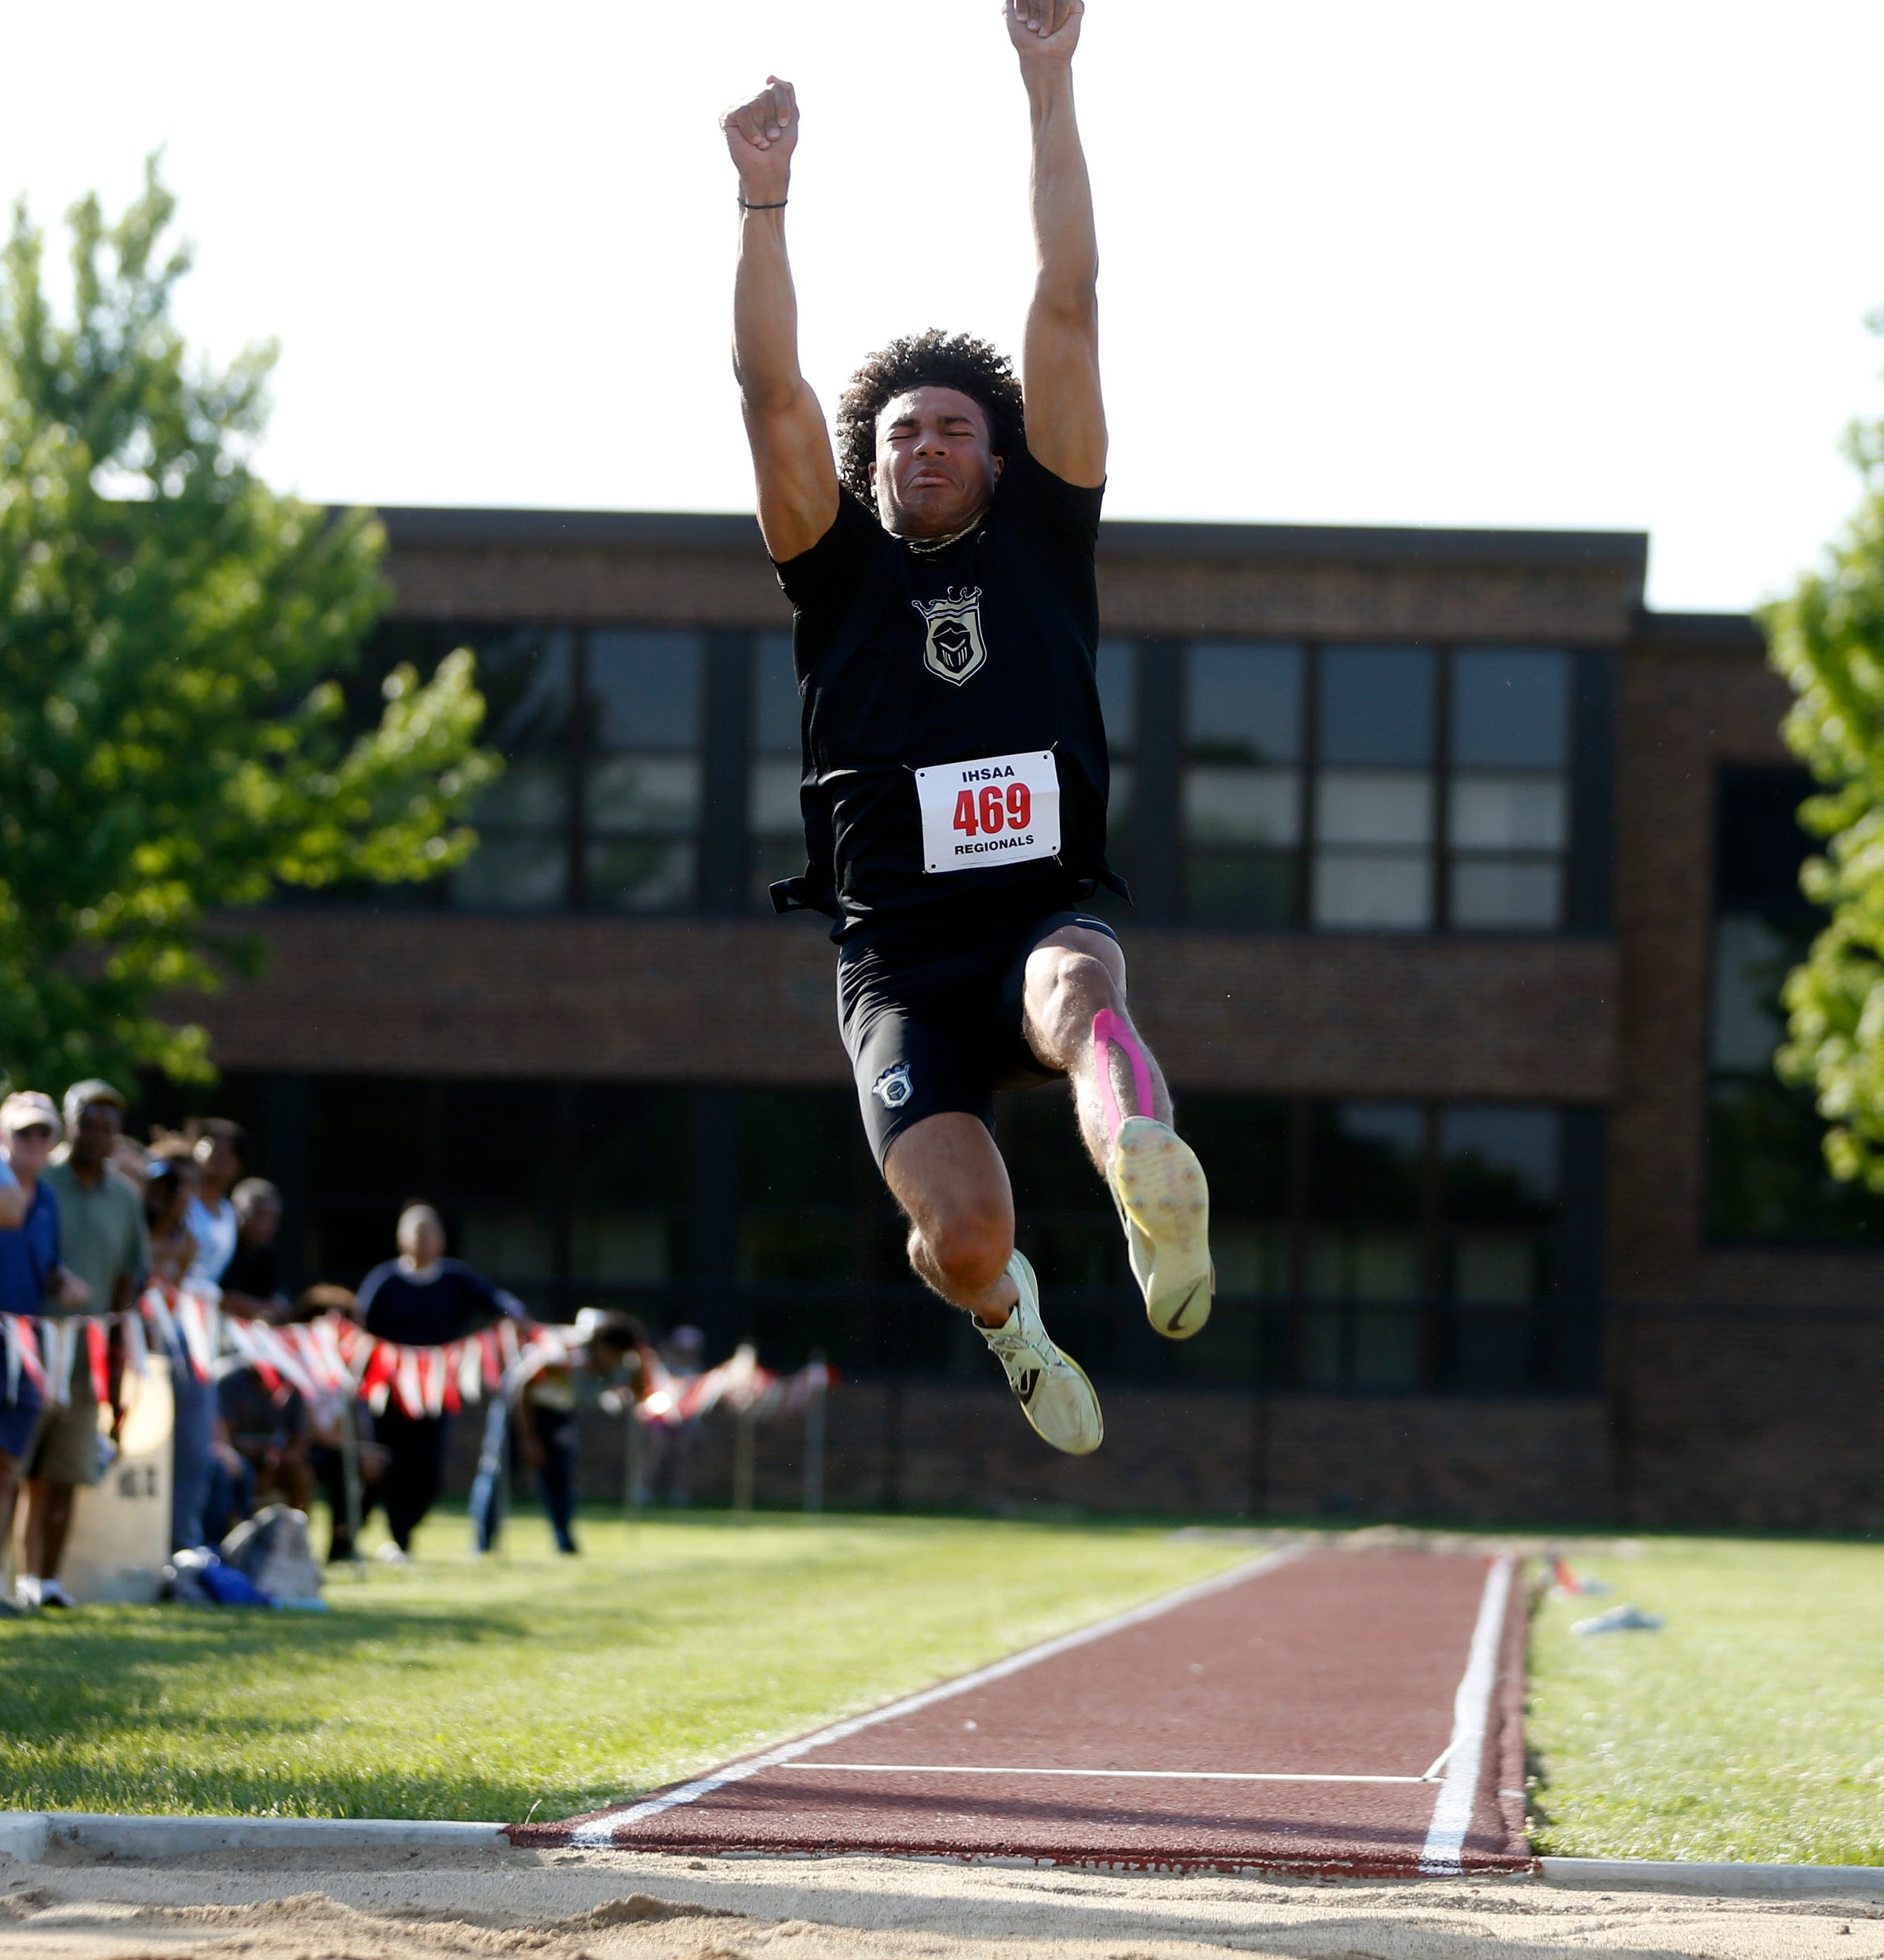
(1462, 887)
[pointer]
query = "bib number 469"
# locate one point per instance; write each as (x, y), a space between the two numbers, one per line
(993, 809)
(997, 809)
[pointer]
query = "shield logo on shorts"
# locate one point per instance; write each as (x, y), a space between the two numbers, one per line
(892, 1089)
(953, 648)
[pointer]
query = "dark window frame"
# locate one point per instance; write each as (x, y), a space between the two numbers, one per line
(1583, 860)
(1851, 1219)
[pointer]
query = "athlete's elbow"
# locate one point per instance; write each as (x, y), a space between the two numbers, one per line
(1068, 306)
(765, 398)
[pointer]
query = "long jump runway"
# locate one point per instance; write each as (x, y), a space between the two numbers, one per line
(1338, 1712)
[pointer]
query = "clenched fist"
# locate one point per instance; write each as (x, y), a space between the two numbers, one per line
(1043, 30)
(760, 136)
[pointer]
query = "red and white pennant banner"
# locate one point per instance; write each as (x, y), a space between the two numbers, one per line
(332, 1356)
(739, 1383)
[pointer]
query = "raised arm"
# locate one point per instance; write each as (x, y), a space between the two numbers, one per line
(791, 456)
(1060, 354)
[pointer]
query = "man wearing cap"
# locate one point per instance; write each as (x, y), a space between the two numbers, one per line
(31, 1282)
(103, 1239)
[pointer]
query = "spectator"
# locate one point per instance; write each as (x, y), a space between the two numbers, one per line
(263, 1438)
(31, 1279)
(609, 1348)
(103, 1240)
(208, 1224)
(19, 1399)
(218, 1145)
(619, 1353)
(544, 1426)
(251, 1282)
(169, 1184)
(421, 1299)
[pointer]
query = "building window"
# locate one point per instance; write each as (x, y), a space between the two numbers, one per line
(527, 676)
(641, 700)
(1366, 1200)
(775, 827)
(1388, 1247)
(569, 1194)
(806, 1181)
(621, 1184)
(1767, 1179)
(1500, 1185)
(602, 732)
(1374, 808)
(1243, 782)
(1394, 787)
(1508, 813)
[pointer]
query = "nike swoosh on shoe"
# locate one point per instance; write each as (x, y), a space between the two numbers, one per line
(1163, 1202)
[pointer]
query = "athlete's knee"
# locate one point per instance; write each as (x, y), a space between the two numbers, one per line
(970, 1248)
(1083, 985)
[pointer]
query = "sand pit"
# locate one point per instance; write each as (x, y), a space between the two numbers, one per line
(578, 1905)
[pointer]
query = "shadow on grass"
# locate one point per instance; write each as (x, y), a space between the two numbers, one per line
(89, 1704)
(62, 1678)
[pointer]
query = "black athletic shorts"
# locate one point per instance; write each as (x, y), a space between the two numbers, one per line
(935, 1025)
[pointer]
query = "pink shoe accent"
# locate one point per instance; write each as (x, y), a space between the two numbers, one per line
(1107, 1029)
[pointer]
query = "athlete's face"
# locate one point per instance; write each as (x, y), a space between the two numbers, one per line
(934, 469)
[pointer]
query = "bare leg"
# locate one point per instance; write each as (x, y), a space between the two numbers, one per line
(949, 1178)
(48, 1518)
(9, 1486)
(1071, 976)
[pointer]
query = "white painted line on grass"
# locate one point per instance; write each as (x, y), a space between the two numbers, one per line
(601, 1831)
(1166, 1775)
(1471, 1716)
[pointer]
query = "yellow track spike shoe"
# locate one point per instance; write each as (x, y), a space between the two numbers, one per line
(1054, 1394)
(1164, 1205)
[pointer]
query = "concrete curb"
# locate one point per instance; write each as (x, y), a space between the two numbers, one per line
(1655, 1875)
(28, 1835)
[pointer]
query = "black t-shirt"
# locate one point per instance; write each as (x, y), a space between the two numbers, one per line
(446, 1303)
(909, 659)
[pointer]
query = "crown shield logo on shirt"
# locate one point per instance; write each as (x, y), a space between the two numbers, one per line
(953, 648)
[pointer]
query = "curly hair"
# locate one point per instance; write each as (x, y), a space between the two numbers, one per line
(934, 360)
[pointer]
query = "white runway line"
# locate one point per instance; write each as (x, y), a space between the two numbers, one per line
(601, 1831)
(1166, 1775)
(1471, 1715)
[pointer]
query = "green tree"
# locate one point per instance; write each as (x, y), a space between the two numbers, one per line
(172, 741)
(1828, 639)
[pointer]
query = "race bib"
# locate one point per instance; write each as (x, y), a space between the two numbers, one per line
(1003, 809)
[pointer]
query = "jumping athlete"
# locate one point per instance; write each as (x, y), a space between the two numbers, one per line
(945, 637)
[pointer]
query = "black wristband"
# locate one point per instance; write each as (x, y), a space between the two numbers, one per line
(779, 207)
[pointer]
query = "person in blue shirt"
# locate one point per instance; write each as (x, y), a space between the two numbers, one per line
(30, 1276)
(19, 1399)
(421, 1299)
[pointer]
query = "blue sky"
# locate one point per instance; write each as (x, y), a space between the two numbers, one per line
(1600, 267)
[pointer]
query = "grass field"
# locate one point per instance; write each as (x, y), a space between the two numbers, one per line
(1752, 1728)
(453, 1688)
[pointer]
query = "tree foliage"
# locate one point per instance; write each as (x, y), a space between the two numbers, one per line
(172, 742)
(1828, 640)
